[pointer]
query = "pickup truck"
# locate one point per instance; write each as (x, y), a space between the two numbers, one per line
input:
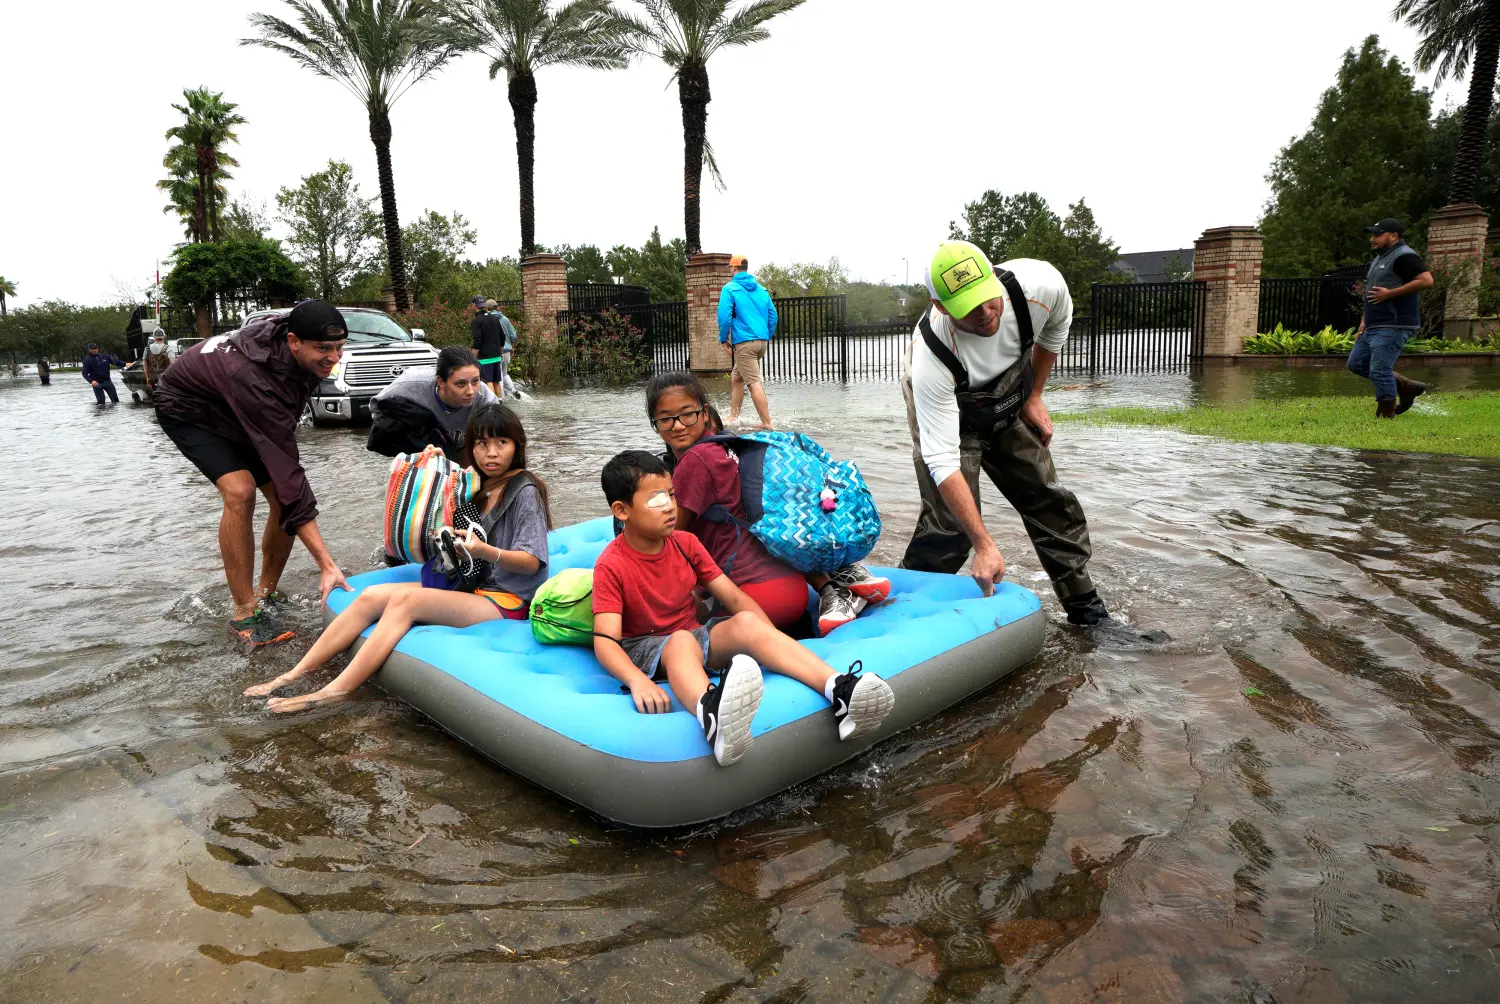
(379, 350)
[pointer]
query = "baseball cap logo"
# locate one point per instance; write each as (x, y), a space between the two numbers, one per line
(957, 276)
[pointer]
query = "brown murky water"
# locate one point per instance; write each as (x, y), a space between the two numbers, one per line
(1294, 801)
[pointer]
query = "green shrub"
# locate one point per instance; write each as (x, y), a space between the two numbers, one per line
(606, 349)
(1425, 346)
(1281, 342)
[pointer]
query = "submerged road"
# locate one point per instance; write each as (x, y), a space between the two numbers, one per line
(1296, 798)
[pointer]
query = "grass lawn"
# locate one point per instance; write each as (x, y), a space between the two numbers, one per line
(1466, 424)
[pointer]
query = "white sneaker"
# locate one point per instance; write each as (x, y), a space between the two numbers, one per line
(860, 703)
(725, 711)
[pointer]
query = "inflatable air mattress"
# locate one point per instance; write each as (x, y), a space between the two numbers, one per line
(550, 713)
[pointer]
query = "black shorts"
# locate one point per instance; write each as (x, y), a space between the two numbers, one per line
(211, 453)
(491, 372)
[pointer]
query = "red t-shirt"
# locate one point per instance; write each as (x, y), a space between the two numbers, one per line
(707, 474)
(652, 593)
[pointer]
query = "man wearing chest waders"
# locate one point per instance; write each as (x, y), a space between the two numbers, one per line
(232, 405)
(973, 386)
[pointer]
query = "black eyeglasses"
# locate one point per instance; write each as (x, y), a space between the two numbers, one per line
(687, 418)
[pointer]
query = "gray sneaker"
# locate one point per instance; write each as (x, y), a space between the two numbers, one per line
(837, 606)
(858, 580)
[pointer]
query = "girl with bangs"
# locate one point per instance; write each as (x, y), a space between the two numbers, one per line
(515, 518)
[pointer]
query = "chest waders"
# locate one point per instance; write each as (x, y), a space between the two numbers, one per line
(1013, 457)
(984, 411)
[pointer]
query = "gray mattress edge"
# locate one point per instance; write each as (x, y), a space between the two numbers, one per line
(682, 792)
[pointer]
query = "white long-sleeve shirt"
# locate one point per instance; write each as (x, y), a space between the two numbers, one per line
(985, 358)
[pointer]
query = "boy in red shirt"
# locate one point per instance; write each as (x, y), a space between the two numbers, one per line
(643, 596)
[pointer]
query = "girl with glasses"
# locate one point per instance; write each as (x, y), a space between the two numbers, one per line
(706, 474)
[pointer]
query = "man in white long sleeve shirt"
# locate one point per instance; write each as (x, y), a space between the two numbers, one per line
(973, 387)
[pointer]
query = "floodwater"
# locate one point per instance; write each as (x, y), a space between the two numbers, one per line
(1296, 800)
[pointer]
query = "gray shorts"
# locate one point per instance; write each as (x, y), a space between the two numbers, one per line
(645, 650)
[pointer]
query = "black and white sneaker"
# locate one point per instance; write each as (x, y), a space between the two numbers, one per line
(725, 711)
(860, 703)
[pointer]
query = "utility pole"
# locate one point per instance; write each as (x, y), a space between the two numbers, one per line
(907, 266)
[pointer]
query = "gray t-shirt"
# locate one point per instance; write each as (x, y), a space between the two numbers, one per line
(419, 386)
(523, 527)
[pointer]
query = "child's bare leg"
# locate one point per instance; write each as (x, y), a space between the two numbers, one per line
(683, 660)
(748, 634)
(405, 608)
(347, 626)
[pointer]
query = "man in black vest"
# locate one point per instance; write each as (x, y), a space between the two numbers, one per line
(1393, 292)
(973, 387)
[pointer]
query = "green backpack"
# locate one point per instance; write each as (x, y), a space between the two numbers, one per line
(562, 611)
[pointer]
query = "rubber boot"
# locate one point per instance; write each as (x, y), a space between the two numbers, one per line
(1089, 612)
(1407, 391)
(1385, 408)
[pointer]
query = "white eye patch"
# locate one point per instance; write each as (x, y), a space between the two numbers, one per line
(659, 500)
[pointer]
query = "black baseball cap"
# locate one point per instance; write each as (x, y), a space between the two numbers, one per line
(1389, 225)
(311, 320)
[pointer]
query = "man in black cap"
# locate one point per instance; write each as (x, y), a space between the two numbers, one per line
(96, 372)
(1393, 288)
(232, 405)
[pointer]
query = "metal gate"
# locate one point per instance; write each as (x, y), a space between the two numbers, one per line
(1138, 327)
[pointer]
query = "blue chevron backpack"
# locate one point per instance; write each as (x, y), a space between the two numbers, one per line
(809, 510)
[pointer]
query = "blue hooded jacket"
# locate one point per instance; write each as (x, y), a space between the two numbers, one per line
(746, 311)
(96, 367)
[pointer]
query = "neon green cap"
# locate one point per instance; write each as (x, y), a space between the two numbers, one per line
(961, 278)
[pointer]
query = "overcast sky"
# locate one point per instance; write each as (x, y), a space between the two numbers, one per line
(858, 130)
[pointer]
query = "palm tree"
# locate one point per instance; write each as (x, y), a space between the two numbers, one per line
(1460, 35)
(208, 124)
(684, 34)
(181, 186)
(7, 288)
(378, 49)
(521, 37)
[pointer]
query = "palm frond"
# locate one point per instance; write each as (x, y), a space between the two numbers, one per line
(1448, 30)
(748, 24)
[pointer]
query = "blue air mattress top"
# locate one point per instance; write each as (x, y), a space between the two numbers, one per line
(563, 689)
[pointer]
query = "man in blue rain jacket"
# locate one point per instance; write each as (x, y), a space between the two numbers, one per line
(747, 320)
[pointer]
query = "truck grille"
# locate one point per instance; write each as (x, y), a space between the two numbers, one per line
(375, 373)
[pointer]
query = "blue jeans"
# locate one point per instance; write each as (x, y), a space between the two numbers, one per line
(1374, 358)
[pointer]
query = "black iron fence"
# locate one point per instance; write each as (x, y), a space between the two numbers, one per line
(1135, 327)
(809, 343)
(598, 295)
(877, 351)
(1332, 299)
(1138, 327)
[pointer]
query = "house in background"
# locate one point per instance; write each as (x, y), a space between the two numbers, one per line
(1153, 266)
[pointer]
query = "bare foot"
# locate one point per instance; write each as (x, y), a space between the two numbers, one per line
(269, 687)
(733, 420)
(317, 698)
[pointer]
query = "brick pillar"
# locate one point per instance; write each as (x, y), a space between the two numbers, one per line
(706, 275)
(1456, 242)
(544, 291)
(1228, 259)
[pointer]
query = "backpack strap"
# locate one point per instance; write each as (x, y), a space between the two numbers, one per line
(513, 488)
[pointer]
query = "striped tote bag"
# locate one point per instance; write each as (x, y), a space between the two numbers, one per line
(426, 491)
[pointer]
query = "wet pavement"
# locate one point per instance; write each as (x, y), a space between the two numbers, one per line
(1296, 800)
